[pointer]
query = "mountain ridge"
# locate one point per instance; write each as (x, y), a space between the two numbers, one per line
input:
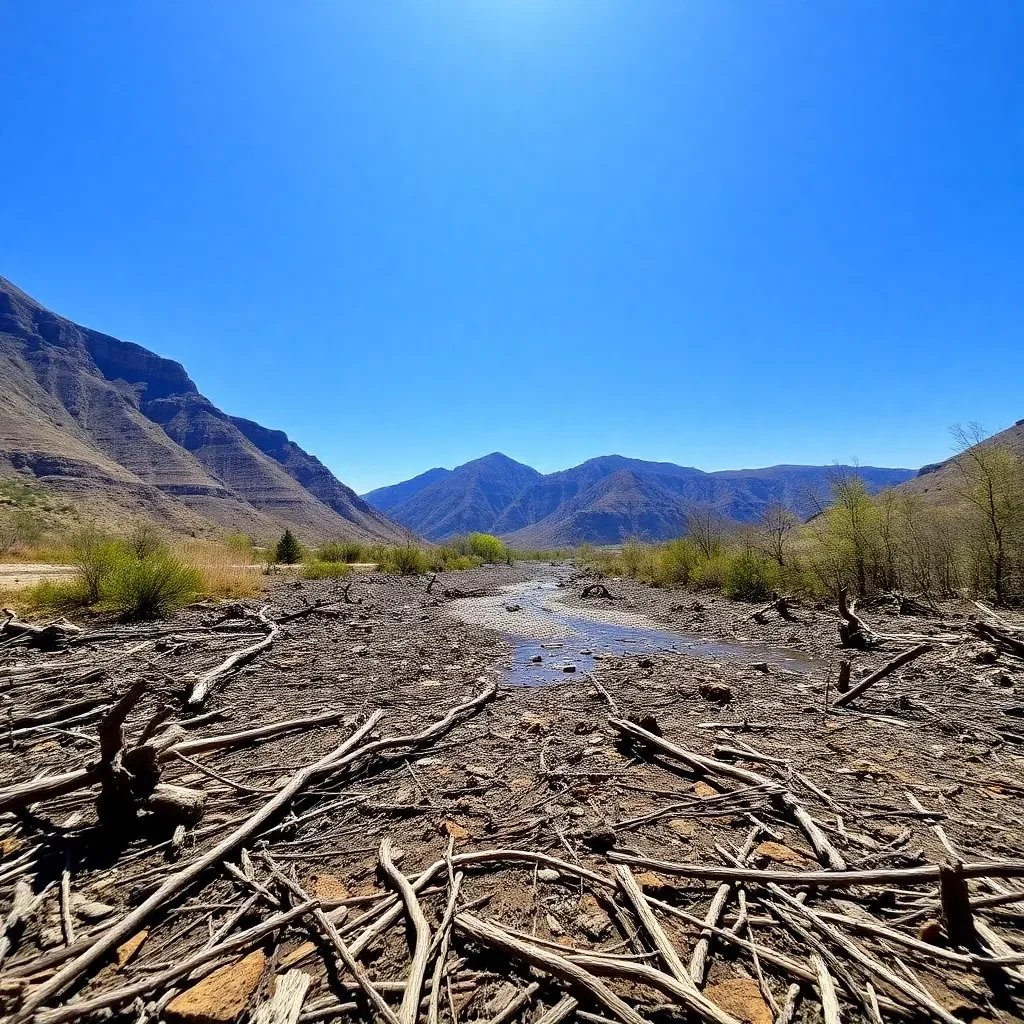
(609, 497)
(126, 433)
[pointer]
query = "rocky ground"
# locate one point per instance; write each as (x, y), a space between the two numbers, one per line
(568, 842)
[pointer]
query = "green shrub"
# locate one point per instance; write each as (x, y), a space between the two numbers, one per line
(145, 540)
(151, 587)
(750, 577)
(340, 551)
(318, 569)
(288, 550)
(676, 561)
(709, 573)
(94, 554)
(53, 596)
(637, 560)
(489, 548)
(406, 561)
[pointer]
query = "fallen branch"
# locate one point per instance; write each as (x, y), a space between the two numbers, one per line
(205, 683)
(898, 662)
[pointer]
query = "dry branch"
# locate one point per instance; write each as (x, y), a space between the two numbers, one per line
(205, 683)
(865, 684)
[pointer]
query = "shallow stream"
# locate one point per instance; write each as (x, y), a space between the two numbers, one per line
(553, 643)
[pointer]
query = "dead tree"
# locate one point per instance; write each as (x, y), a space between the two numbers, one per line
(853, 631)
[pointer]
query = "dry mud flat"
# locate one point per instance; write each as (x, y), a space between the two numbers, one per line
(668, 834)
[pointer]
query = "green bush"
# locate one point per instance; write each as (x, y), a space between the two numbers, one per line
(94, 554)
(318, 569)
(145, 540)
(750, 577)
(709, 573)
(489, 548)
(150, 587)
(53, 596)
(406, 561)
(676, 562)
(288, 550)
(340, 551)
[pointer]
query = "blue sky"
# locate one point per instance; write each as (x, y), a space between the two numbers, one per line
(721, 233)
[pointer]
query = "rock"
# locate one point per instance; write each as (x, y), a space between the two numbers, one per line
(742, 998)
(535, 723)
(90, 910)
(645, 663)
(682, 828)
(704, 791)
(761, 666)
(592, 920)
(127, 950)
(513, 607)
(568, 668)
(781, 854)
(553, 926)
(454, 830)
(931, 932)
(715, 693)
(221, 997)
(329, 887)
(548, 875)
(537, 659)
(989, 656)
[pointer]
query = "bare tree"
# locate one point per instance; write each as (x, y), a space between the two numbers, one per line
(993, 486)
(775, 531)
(706, 528)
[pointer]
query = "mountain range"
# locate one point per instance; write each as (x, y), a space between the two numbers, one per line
(125, 433)
(602, 500)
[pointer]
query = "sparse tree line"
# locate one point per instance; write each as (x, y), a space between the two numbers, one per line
(890, 542)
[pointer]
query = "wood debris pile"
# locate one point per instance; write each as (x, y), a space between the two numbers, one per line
(454, 851)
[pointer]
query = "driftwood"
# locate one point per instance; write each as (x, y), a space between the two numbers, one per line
(206, 682)
(898, 662)
(853, 631)
(52, 637)
(595, 590)
(1000, 638)
(822, 846)
(181, 880)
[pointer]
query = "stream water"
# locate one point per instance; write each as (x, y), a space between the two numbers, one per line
(549, 637)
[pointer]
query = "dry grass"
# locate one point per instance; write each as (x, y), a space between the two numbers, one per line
(227, 571)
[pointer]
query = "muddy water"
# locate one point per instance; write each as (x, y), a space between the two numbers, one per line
(553, 643)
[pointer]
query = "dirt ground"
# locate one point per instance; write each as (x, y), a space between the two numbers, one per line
(26, 574)
(922, 769)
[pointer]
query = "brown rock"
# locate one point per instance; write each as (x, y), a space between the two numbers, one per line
(781, 854)
(221, 997)
(716, 693)
(742, 998)
(704, 791)
(682, 828)
(454, 830)
(129, 948)
(329, 887)
(930, 931)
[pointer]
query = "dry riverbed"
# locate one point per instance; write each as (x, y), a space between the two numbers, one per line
(566, 831)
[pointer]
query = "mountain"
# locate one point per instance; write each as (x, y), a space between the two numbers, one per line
(468, 498)
(124, 432)
(603, 500)
(386, 498)
(942, 482)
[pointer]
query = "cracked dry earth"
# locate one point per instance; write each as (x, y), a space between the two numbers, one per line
(675, 830)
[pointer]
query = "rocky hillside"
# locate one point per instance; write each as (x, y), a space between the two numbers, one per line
(603, 500)
(123, 432)
(942, 482)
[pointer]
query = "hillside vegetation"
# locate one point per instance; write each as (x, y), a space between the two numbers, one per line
(900, 540)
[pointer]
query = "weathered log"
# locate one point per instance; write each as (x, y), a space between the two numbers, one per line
(1001, 639)
(853, 631)
(176, 805)
(51, 637)
(898, 662)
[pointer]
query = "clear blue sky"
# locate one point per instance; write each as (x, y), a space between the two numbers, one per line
(715, 232)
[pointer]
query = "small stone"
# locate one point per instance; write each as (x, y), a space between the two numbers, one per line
(682, 828)
(329, 887)
(930, 931)
(127, 950)
(645, 663)
(742, 998)
(537, 659)
(548, 875)
(592, 920)
(716, 693)
(553, 926)
(221, 997)
(704, 791)
(761, 666)
(454, 830)
(781, 854)
(90, 910)
(568, 668)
